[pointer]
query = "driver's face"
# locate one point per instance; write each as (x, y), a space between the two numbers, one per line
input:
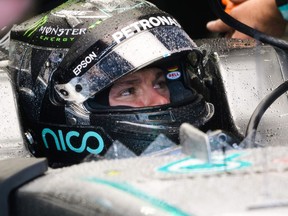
(146, 87)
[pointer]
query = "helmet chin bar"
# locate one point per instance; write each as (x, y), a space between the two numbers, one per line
(136, 128)
(77, 114)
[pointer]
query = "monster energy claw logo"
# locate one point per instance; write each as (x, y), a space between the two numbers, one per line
(36, 26)
(54, 34)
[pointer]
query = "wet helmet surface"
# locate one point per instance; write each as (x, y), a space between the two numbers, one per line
(64, 62)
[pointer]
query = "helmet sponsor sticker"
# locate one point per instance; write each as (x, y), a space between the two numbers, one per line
(92, 14)
(91, 141)
(53, 34)
(142, 25)
(84, 63)
(56, 31)
(173, 73)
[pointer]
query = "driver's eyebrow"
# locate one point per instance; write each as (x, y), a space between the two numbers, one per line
(127, 81)
(159, 74)
(134, 79)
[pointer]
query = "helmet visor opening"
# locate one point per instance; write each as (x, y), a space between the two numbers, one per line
(163, 82)
(128, 56)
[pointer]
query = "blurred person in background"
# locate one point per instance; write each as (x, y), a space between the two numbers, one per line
(11, 11)
(16, 11)
(267, 16)
(193, 20)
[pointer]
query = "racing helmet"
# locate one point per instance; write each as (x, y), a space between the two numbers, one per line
(64, 62)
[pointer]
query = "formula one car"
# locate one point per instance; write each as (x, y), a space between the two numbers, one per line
(235, 165)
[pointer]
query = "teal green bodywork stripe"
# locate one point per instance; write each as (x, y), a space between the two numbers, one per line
(141, 195)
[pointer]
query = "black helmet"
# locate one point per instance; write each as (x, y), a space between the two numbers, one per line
(63, 64)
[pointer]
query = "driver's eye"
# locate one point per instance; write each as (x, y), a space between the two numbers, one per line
(161, 85)
(127, 92)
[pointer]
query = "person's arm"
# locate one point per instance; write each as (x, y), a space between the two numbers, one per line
(262, 15)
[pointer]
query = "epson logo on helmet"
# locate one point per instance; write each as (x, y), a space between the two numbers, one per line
(173, 75)
(64, 142)
(84, 63)
(143, 24)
